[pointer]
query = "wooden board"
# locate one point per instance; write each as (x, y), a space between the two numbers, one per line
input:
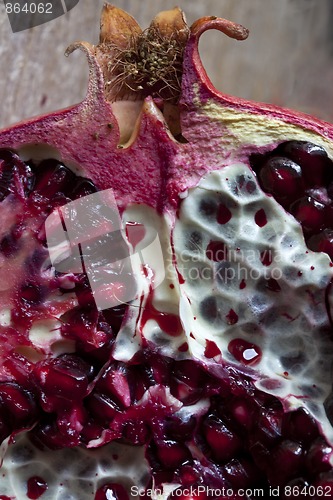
(287, 59)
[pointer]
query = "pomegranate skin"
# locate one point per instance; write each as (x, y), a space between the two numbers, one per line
(216, 127)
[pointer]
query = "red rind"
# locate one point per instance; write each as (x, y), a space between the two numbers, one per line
(87, 135)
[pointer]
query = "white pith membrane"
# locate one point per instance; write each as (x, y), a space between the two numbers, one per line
(289, 325)
(72, 473)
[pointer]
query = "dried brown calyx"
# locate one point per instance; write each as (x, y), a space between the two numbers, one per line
(138, 63)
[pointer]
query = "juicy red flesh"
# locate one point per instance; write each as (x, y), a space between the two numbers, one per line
(241, 438)
(299, 176)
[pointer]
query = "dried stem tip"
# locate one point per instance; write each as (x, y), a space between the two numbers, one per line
(141, 63)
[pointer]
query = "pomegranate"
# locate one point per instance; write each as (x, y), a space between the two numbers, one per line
(202, 367)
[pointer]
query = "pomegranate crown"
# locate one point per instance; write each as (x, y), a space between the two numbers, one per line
(137, 63)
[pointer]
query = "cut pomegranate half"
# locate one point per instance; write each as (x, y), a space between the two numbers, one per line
(202, 363)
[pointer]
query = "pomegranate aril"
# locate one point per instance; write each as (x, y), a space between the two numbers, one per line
(6, 156)
(325, 482)
(90, 432)
(286, 462)
(243, 412)
(102, 408)
(52, 178)
(114, 382)
(136, 432)
(187, 382)
(15, 175)
(115, 316)
(19, 369)
(64, 378)
(317, 168)
(223, 442)
(268, 427)
(46, 434)
(283, 179)
(310, 213)
(322, 242)
(32, 293)
(80, 324)
(189, 372)
(188, 474)
(112, 491)
(161, 367)
(18, 405)
(172, 454)
(5, 427)
(193, 494)
(298, 486)
(70, 421)
(5, 181)
(318, 457)
(180, 429)
(83, 187)
(9, 245)
(242, 473)
(299, 425)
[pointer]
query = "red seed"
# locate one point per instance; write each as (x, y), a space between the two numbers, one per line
(172, 454)
(300, 426)
(283, 179)
(313, 160)
(310, 213)
(224, 443)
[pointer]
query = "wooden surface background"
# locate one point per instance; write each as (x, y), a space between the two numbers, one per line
(287, 60)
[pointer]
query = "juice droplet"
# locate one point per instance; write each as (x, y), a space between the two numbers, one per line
(168, 322)
(211, 349)
(232, 317)
(245, 352)
(183, 347)
(36, 486)
(135, 232)
(223, 214)
(266, 257)
(260, 218)
(242, 284)
(217, 251)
